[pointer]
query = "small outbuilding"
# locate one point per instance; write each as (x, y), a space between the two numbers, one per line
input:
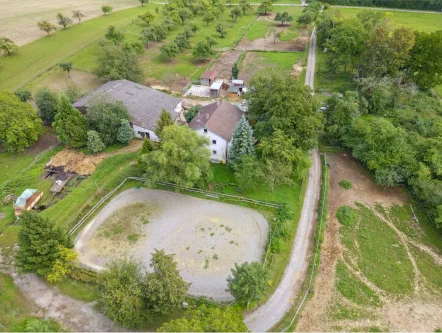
(237, 87)
(215, 88)
(26, 201)
(208, 77)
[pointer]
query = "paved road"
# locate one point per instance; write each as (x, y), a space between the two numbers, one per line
(270, 313)
(311, 63)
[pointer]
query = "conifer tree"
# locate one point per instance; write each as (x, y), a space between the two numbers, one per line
(125, 132)
(70, 125)
(164, 120)
(242, 142)
(94, 142)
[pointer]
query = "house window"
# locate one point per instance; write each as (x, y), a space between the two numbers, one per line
(213, 142)
(205, 130)
(213, 152)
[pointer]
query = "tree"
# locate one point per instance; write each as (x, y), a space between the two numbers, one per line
(165, 289)
(117, 63)
(207, 319)
(191, 113)
(221, 28)
(306, 18)
(19, 125)
(235, 13)
(235, 71)
(249, 172)
(209, 17)
(63, 20)
(7, 45)
(184, 14)
(147, 17)
(46, 26)
(248, 282)
(244, 5)
(169, 50)
(107, 10)
(94, 142)
(182, 42)
(39, 243)
(66, 66)
(104, 116)
(76, 14)
(23, 94)
(425, 63)
(284, 103)
(143, 2)
(341, 113)
(243, 142)
(47, 104)
(72, 91)
(70, 125)
(211, 41)
(169, 79)
(164, 121)
(265, 6)
(122, 293)
(125, 132)
(146, 147)
(182, 158)
(284, 17)
(202, 50)
(114, 35)
(63, 265)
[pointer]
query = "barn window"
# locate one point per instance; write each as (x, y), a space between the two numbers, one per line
(213, 142)
(213, 152)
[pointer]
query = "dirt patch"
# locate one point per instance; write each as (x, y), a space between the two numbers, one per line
(297, 69)
(83, 164)
(225, 63)
(45, 141)
(250, 66)
(420, 313)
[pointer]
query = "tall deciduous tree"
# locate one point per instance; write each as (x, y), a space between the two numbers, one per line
(164, 121)
(19, 125)
(46, 26)
(207, 319)
(7, 45)
(243, 142)
(306, 18)
(47, 104)
(165, 289)
(284, 103)
(169, 50)
(39, 241)
(70, 125)
(249, 172)
(202, 50)
(64, 21)
(248, 282)
(182, 158)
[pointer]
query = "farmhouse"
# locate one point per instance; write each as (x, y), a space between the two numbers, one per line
(208, 77)
(144, 104)
(216, 122)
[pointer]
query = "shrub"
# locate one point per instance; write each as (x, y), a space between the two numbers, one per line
(277, 245)
(345, 184)
(346, 215)
(23, 94)
(125, 132)
(94, 142)
(191, 113)
(47, 103)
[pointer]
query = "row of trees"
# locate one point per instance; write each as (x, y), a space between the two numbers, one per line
(369, 46)
(435, 5)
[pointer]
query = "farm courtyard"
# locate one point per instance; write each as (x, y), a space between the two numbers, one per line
(207, 237)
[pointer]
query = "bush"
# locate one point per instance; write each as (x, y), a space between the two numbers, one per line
(47, 104)
(346, 215)
(345, 184)
(277, 245)
(23, 94)
(191, 113)
(125, 132)
(94, 142)
(84, 275)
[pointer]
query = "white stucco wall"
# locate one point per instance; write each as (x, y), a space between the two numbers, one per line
(220, 147)
(152, 135)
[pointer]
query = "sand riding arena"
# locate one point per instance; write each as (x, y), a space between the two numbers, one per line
(207, 237)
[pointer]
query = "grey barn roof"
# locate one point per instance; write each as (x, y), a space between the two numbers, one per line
(219, 117)
(144, 103)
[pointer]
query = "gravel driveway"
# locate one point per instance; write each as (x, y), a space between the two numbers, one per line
(207, 237)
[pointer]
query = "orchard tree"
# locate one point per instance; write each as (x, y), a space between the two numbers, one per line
(283, 102)
(114, 35)
(235, 13)
(70, 125)
(248, 282)
(39, 243)
(284, 17)
(265, 7)
(64, 21)
(207, 319)
(7, 45)
(242, 142)
(245, 6)
(147, 17)
(23, 94)
(209, 17)
(66, 66)
(202, 50)
(164, 120)
(76, 14)
(211, 41)
(20, 126)
(182, 158)
(221, 28)
(104, 116)
(107, 10)
(184, 14)
(169, 50)
(165, 288)
(47, 104)
(143, 2)
(182, 41)
(125, 132)
(306, 18)
(94, 142)
(117, 63)
(46, 26)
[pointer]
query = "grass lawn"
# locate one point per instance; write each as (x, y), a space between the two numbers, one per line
(427, 22)
(282, 61)
(79, 290)
(37, 57)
